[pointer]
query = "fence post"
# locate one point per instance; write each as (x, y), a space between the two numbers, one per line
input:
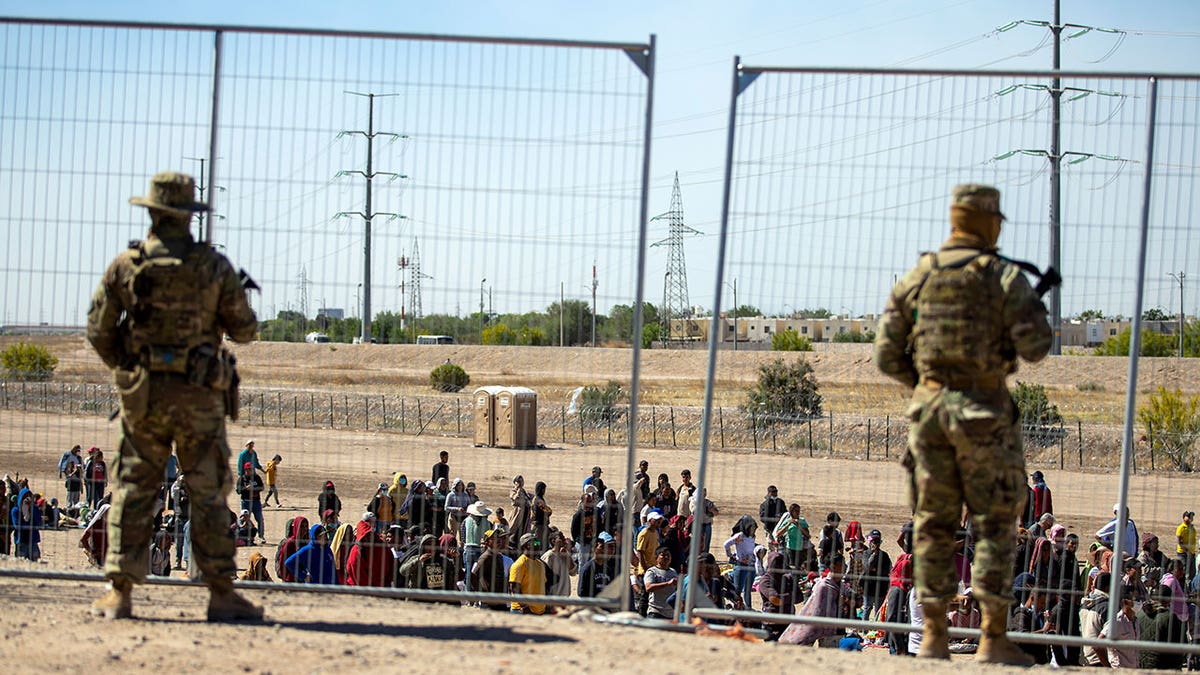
(458, 413)
(774, 428)
(754, 429)
(346, 402)
(1080, 423)
(71, 405)
(810, 449)
(1150, 438)
(654, 426)
(312, 409)
(721, 417)
(279, 400)
(402, 407)
(45, 397)
(868, 439)
(562, 407)
(1062, 444)
(831, 433)
(5, 387)
(673, 443)
(383, 409)
(262, 408)
(366, 412)
(887, 436)
(609, 417)
(419, 422)
(331, 411)
(295, 411)
(24, 397)
(581, 439)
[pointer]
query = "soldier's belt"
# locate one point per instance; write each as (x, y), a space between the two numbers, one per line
(979, 383)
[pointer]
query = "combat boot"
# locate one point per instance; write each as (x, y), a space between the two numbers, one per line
(224, 604)
(935, 641)
(116, 603)
(994, 645)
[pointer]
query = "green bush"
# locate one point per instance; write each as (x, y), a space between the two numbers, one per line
(1153, 344)
(790, 341)
(599, 406)
(854, 336)
(784, 393)
(449, 377)
(28, 361)
(1172, 425)
(1040, 420)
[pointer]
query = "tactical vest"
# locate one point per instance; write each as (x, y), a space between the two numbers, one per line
(959, 336)
(174, 308)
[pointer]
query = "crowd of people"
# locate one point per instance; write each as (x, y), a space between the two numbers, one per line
(437, 534)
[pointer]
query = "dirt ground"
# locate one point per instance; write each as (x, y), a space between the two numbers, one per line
(318, 633)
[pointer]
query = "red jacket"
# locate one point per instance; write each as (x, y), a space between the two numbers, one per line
(371, 562)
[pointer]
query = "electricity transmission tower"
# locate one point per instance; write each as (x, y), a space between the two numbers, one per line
(675, 304)
(367, 214)
(1054, 154)
(303, 279)
(410, 287)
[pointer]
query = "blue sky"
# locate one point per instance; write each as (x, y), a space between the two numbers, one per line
(696, 42)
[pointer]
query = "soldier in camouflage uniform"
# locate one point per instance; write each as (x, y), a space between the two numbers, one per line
(953, 329)
(157, 320)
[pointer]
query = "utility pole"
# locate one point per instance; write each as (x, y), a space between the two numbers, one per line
(367, 214)
(1056, 183)
(562, 294)
(594, 284)
(481, 315)
(201, 188)
(1179, 278)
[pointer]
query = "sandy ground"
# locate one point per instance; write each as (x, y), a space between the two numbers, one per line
(310, 633)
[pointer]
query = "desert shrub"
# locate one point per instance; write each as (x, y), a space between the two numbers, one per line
(650, 334)
(853, 336)
(599, 405)
(784, 393)
(790, 341)
(28, 361)
(1153, 344)
(1089, 386)
(449, 377)
(1040, 420)
(1172, 424)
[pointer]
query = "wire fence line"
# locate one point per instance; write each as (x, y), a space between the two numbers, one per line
(1070, 444)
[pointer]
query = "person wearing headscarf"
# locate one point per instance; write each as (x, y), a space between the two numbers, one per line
(384, 508)
(417, 508)
(609, 512)
(428, 569)
(256, 570)
(438, 492)
(297, 538)
(26, 521)
(828, 600)
(328, 500)
(519, 516)
(398, 491)
(160, 554)
(778, 590)
(1151, 556)
(1041, 562)
(900, 582)
(343, 540)
(313, 563)
(539, 518)
(370, 562)
(1064, 615)
(94, 540)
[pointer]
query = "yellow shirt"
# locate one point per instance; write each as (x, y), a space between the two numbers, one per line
(647, 544)
(530, 575)
(270, 471)
(1187, 534)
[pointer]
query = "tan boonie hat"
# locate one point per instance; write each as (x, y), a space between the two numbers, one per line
(173, 193)
(975, 197)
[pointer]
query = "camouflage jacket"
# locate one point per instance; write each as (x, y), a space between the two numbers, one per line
(194, 297)
(961, 316)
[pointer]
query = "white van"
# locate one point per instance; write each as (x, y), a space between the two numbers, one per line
(435, 340)
(316, 338)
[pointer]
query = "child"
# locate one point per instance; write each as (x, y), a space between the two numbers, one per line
(272, 467)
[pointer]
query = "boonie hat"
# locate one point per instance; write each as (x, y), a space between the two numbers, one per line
(479, 509)
(976, 197)
(173, 193)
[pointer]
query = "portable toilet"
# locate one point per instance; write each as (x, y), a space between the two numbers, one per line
(516, 417)
(483, 400)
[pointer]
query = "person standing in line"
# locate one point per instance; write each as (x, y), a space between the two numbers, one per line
(271, 473)
(953, 329)
(158, 320)
(249, 488)
(70, 458)
(771, 509)
(248, 454)
(1185, 537)
(95, 477)
(441, 470)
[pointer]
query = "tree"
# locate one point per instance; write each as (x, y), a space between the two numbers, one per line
(1040, 420)
(746, 310)
(29, 362)
(1091, 315)
(576, 322)
(790, 341)
(1156, 314)
(815, 313)
(784, 393)
(1172, 425)
(598, 406)
(1153, 344)
(650, 334)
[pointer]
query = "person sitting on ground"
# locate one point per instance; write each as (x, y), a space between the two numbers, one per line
(1028, 615)
(160, 554)
(1158, 623)
(828, 600)
(256, 569)
(964, 613)
(243, 529)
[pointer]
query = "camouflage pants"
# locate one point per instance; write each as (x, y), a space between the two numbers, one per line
(964, 448)
(194, 419)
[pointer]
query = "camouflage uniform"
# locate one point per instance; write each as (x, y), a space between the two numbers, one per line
(953, 329)
(157, 319)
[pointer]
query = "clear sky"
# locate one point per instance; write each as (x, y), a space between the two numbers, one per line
(697, 42)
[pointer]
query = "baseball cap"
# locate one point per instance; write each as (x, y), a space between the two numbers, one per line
(875, 534)
(383, 485)
(596, 468)
(1037, 475)
(528, 539)
(605, 537)
(1189, 514)
(654, 515)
